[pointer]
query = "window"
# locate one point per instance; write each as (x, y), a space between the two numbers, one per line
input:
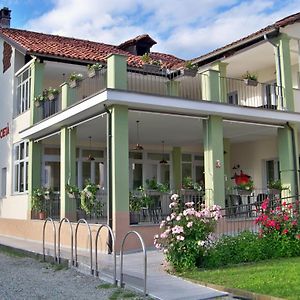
(3, 182)
(270, 95)
(23, 91)
(272, 170)
(21, 167)
(192, 166)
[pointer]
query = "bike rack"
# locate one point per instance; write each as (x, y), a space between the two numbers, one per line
(54, 238)
(145, 259)
(113, 248)
(58, 239)
(90, 239)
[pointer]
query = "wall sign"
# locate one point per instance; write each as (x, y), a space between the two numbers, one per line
(4, 132)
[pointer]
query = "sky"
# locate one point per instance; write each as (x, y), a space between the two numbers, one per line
(185, 28)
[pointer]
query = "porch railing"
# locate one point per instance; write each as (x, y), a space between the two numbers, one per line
(50, 107)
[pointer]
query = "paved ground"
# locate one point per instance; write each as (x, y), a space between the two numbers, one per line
(26, 278)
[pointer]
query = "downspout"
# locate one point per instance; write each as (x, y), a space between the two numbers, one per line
(279, 67)
(109, 167)
(294, 158)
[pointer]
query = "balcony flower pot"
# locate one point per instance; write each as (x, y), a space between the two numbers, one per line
(189, 72)
(244, 192)
(37, 103)
(91, 73)
(273, 191)
(150, 68)
(73, 83)
(250, 82)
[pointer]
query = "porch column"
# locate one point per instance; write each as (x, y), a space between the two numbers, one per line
(67, 172)
(288, 159)
(117, 71)
(227, 166)
(173, 87)
(210, 83)
(34, 170)
(176, 161)
(119, 168)
(221, 67)
(284, 72)
(36, 88)
(67, 95)
(214, 161)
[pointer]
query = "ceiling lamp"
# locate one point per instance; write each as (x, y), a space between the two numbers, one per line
(163, 161)
(138, 146)
(90, 157)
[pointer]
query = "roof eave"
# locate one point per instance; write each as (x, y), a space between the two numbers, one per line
(13, 44)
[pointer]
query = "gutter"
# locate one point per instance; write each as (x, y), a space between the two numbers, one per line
(294, 158)
(266, 38)
(109, 171)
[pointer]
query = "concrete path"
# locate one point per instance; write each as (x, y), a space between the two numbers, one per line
(160, 285)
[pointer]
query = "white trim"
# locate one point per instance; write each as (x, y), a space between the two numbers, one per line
(253, 123)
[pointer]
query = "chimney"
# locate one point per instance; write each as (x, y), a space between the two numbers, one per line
(5, 17)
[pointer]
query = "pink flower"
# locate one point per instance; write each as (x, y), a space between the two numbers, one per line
(189, 204)
(285, 231)
(189, 224)
(285, 218)
(265, 203)
(297, 236)
(180, 238)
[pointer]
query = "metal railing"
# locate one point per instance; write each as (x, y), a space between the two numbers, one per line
(90, 244)
(145, 259)
(89, 86)
(253, 94)
(54, 239)
(58, 239)
(51, 206)
(50, 107)
(113, 240)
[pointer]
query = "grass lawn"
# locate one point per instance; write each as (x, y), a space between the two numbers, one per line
(277, 277)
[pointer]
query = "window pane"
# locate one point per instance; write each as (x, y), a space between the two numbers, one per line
(165, 174)
(86, 171)
(186, 170)
(158, 156)
(16, 178)
(200, 175)
(22, 150)
(151, 172)
(52, 151)
(199, 157)
(135, 155)
(137, 176)
(270, 171)
(53, 170)
(94, 153)
(186, 157)
(21, 174)
(17, 157)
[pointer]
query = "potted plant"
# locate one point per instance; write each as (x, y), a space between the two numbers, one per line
(93, 69)
(250, 79)
(150, 65)
(190, 69)
(245, 188)
(72, 190)
(74, 79)
(135, 206)
(38, 202)
(38, 100)
(88, 197)
(275, 187)
(52, 93)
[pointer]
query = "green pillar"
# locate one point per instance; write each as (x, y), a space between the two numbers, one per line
(214, 161)
(37, 77)
(176, 162)
(210, 85)
(284, 71)
(117, 71)
(34, 170)
(221, 67)
(67, 95)
(288, 169)
(67, 172)
(173, 87)
(119, 165)
(227, 165)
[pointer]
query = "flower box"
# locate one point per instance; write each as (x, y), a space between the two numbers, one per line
(150, 68)
(52, 96)
(250, 82)
(73, 83)
(189, 72)
(274, 191)
(244, 192)
(91, 72)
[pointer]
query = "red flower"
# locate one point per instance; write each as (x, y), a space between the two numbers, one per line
(297, 236)
(283, 203)
(285, 218)
(265, 203)
(294, 223)
(285, 231)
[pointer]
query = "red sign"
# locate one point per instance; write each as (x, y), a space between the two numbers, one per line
(4, 132)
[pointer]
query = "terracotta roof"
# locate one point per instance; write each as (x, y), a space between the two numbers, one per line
(260, 33)
(70, 48)
(142, 37)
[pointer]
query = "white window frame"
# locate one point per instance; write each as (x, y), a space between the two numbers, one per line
(17, 165)
(23, 91)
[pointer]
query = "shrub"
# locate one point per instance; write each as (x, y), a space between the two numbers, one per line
(185, 233)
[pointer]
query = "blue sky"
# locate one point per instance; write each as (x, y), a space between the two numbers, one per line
(186, 28)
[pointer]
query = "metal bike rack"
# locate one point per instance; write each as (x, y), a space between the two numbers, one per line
(58, 239)
(145, 259)
(113, 249)
(90, 239)
(54, 238)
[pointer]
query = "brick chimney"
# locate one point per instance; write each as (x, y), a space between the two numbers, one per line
(5, 17)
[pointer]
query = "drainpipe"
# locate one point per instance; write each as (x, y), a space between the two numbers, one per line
(109, 167)
(279, 66)
(294, 158)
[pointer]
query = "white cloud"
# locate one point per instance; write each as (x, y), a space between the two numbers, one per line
(185, 28)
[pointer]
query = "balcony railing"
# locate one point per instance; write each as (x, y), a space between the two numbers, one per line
(50, 107)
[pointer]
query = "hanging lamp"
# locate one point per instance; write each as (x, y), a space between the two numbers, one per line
(138, 146)
(90, 157)
(163, 161)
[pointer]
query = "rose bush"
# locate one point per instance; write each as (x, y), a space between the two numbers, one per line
(185, 233)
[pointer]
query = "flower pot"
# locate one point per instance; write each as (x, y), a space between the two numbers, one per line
(274, 191)
(250, 82)
(134, 217)
(151, 68)
(189, 72)
(42, 215)
(244, 192)
(73, 83)
(52, 96)
(91, 73)
(37, 103)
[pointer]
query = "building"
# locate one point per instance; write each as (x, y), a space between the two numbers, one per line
(131, 123)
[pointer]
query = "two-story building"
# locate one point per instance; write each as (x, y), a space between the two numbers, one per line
(132, 123)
